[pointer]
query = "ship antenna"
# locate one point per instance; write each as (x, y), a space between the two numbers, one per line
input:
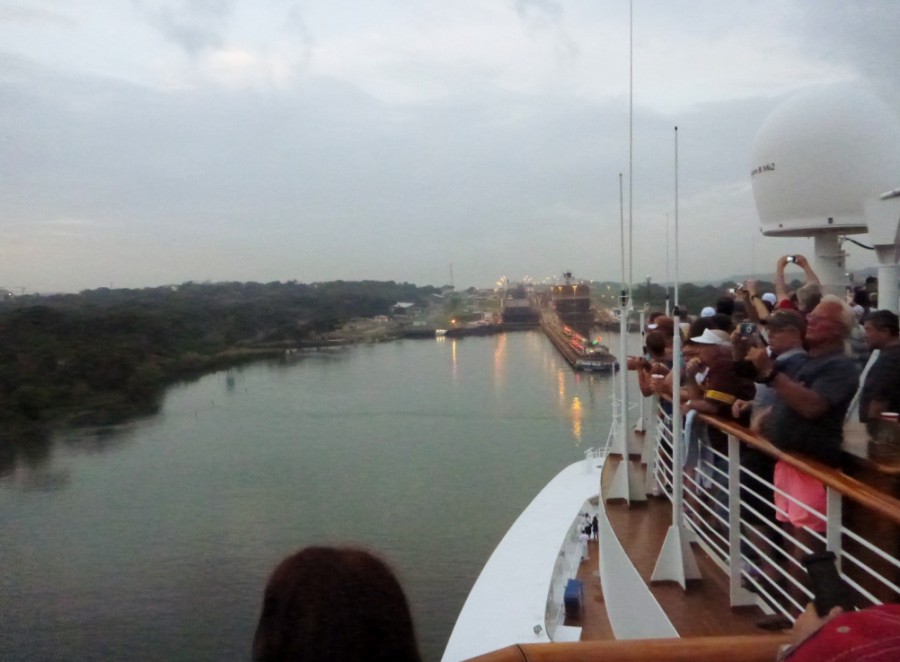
(676, 561)
(630, 140)
(624, 485)
(668, 281)
(622, 230)
(676, 218)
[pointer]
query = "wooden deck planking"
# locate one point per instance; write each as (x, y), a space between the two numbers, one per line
(701, 610)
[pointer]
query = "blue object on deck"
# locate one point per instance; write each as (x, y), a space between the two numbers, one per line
(574, 598)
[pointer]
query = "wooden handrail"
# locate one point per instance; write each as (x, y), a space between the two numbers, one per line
(863, 494)
(742, 648)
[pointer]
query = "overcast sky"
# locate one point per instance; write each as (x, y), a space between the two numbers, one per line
(148, 142)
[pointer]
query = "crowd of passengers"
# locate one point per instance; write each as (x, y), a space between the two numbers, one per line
(787, 365)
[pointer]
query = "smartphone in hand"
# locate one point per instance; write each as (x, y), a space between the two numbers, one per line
(829, 590)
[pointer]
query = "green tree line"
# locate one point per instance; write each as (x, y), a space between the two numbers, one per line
(691, 298)
(113, 351)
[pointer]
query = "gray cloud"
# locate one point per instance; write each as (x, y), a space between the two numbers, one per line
(863, 34)
(324, 182)
(194, 25)
(541, 15)
(12, 15)
(548, 8)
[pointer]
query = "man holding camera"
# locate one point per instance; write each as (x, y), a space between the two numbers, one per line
(807, 415)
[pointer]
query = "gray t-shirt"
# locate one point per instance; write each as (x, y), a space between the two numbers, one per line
(789, 363)
(834, 377)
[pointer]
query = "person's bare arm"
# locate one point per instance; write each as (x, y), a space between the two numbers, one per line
(781, 293)
(806, 625)
(740, 407)
(804, 264)
(757, 310)
(805, 401)
(699, 404)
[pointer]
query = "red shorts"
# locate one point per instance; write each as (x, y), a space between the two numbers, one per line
(804, 489)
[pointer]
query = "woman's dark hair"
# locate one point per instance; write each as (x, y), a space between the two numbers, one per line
(722, 322)
(656, 344)
(327, 604)
(699, 325)
(725, 306)
(861, 298)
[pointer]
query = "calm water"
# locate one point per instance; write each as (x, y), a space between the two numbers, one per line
(153, 540)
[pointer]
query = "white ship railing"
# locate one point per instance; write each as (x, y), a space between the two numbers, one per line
(761, 570)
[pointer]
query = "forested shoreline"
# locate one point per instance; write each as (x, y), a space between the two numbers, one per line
(106, 355)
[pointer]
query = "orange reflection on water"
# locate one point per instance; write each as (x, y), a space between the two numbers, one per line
(577, 416)
(454, 366)
(561, 385)
(499, 360)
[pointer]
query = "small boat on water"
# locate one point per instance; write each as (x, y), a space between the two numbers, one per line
(596, 358)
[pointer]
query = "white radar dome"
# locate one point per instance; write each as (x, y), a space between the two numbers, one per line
(820, 157)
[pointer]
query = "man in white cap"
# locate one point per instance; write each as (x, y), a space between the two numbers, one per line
(712, 385)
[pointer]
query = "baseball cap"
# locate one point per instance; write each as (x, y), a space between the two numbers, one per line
(712, 337)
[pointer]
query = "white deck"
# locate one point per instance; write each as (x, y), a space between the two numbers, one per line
(510, 595)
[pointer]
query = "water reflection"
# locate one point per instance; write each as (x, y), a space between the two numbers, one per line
(99, 440)
(28, 448)
(499, 361)
(29, 451)
(44, 479)
(454, 369)
(577, 414)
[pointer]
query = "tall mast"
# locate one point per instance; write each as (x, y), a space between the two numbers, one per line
(630, 142)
